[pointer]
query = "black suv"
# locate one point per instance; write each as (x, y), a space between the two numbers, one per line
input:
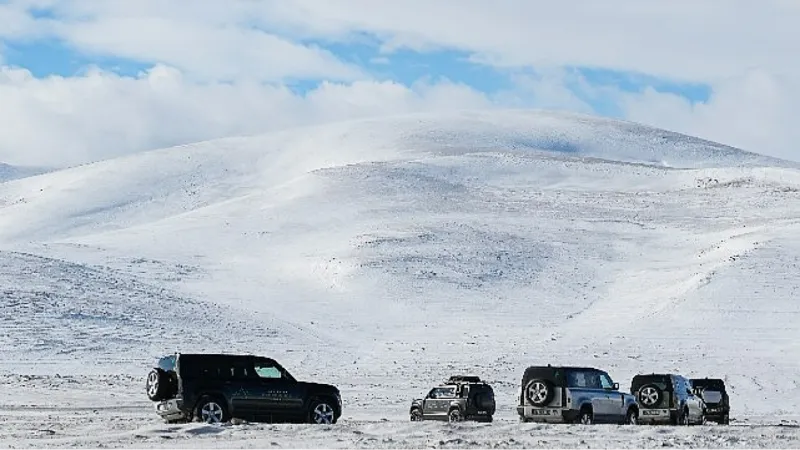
(712, 391)
(459, 398)
(216, 387)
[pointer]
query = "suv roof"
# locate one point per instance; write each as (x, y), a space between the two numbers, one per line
(713, 383)
(456, 379)
(654, 376)
(554, 374)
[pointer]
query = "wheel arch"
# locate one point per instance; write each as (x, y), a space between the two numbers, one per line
(214, 394)
(325, 397)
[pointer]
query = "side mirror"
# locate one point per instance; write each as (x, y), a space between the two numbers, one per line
(616, 386)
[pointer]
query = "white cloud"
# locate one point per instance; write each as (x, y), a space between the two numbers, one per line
(682, 39)
(745, 50)
(757, 111)
(64, 121)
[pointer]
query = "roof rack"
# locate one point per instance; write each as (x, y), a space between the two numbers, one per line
(463, 379)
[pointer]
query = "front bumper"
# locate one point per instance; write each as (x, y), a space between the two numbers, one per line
(171, 409)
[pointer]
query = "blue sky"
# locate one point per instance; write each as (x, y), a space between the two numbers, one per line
(50, 56)
(263, 65)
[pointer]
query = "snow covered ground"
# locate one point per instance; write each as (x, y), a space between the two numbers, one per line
(383, 256)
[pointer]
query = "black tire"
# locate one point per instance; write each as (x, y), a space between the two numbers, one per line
(539, 392)
(416, 415)
(683, 418)
(585, 417)
(211, 409)
(454, 415)
(725, 420)
(490, 419)
(632, 417)
(322, 412)
(650, 396)
(158, 385)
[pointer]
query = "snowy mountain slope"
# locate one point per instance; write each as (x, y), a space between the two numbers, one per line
(167, 182)
(8, 172)
(384, 255)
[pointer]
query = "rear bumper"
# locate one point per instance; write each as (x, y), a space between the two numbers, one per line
(171, 409)
(717, 414)
(656, 415)
(547, 415)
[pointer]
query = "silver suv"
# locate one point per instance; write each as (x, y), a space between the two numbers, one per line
(573, 395)
(667, 398)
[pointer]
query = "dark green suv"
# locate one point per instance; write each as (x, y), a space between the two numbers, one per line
(217, 387)
(459, 398)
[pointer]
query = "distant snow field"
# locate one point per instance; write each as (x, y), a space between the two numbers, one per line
(384, 255)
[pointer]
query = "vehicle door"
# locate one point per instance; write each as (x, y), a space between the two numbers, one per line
(694, 401)
(437, 403)
(278, 394)
(242, 385)
(614, 400)
(586, 386)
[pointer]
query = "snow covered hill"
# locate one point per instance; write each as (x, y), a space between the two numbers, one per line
(384, 255)
(9, 172)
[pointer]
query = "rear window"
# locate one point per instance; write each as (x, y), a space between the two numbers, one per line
(167, 363)
(662, 381)
(216, 367)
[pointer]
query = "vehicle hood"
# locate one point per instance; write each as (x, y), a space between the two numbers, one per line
(319, 387)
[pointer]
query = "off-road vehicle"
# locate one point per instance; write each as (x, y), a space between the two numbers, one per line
(218, 387)
(667, 398)
(459, 398)
(714, 395)
(573, 395)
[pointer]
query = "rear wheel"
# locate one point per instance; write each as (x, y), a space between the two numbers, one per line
(586, 417)
(416, 415)
(211, 410)
(683, 417)
(455, 415)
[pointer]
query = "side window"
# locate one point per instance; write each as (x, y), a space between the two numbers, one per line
(584, 379)
(605, 381)
(266, 369)
(442, 392)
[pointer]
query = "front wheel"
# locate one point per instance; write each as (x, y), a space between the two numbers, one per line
(632, 418)
(322, 413)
